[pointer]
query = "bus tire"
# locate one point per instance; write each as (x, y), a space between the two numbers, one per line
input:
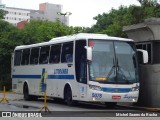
(68, 96)
(58, 100)
(26, 92)
(33, 97)
(110, 104)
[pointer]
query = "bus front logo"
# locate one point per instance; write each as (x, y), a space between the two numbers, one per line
(116, 89)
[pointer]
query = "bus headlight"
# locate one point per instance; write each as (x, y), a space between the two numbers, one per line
(135, 88)
(94, 87)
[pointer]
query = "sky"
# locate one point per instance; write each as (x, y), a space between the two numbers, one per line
(82, 11)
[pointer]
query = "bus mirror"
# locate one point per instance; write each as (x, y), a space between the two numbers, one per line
(142, 56)
(89, 53)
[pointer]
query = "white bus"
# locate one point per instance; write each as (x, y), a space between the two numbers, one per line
(81, 67)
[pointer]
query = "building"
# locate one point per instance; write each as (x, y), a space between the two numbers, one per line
(146, 36)
(16, 15)
(46, 11)
(21, 25)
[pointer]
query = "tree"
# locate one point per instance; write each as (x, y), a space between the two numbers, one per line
(2, 14)
(7, 44)
(112, 23)
(39, 31)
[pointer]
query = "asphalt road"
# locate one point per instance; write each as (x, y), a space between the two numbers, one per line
(60, 110)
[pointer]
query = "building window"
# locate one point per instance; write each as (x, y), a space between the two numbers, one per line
(156, 49)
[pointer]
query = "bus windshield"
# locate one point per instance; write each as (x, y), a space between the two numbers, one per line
(113, 62)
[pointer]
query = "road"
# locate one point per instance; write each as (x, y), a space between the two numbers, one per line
(60, 109)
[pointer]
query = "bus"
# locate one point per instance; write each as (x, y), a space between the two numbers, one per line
(80, 67)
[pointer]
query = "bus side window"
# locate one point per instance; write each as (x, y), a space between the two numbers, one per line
(17, 57)
(80, 61)
(44, 55)
(67, 52)
(34, 56)
(25, 57)
(55, 53)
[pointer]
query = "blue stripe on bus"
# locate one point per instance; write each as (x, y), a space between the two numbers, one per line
(119, 90)
(27, 76)
(49, 76)
(60, 76)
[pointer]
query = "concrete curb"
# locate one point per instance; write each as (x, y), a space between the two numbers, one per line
(141, 108)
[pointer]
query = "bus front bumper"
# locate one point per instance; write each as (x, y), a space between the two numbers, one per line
(100, 96)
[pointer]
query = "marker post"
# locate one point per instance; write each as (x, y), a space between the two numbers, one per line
(45, 104)
(43, 87)
(4, 99)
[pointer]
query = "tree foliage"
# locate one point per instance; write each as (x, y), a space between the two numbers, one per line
(2, 14)
(112, 23)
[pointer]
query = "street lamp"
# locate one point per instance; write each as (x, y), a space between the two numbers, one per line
(64, 14)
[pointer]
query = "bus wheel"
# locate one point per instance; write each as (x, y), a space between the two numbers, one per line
(110, 104)
(33, 97)
(26, 93)
(68, 97)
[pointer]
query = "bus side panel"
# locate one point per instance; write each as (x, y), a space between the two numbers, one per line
(69, 78)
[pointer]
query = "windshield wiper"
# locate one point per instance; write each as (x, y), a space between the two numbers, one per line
(122, 73)
(112, 69)
(120, 69)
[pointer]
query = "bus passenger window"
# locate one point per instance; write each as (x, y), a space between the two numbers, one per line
(44, 55)
(67, 53)
(34, 56)
(55, 53)
(25, 57)
(17, 57)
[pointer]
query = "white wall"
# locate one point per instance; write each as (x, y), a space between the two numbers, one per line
(16, 15)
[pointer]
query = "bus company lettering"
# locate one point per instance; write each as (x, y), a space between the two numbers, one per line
(130, 97)
(60, 71)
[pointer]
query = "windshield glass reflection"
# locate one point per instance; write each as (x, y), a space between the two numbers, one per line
(113, 62)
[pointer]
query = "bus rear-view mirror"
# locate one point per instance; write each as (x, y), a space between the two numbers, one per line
(142, 56)
(89, 53)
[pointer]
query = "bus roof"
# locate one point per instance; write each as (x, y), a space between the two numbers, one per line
(79, 36)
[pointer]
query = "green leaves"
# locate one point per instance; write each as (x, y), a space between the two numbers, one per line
(112, 23)
(2, 13)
